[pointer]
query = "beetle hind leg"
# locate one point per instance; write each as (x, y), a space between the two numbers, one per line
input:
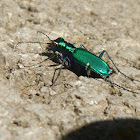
(100, 56)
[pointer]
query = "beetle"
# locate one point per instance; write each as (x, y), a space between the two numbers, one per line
(70, 56)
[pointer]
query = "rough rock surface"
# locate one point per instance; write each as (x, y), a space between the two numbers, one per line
(75, 107)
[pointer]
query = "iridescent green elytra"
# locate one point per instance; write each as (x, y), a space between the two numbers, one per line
(84, 57)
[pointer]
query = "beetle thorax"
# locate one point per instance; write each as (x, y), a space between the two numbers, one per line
(65, 46)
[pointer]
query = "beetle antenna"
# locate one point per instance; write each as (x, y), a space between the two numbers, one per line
(45, 35)
(29, 42)
(32, 42)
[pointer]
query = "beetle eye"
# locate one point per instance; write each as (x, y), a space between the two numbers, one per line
(55, 43)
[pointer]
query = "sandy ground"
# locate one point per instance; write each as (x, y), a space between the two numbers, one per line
(75, 107)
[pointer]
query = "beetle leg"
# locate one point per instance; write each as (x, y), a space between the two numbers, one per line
(121, 87)
(60, 57)
(100, 56)
(88, 69)
(104, 51)
(34, 65)
(83, 46)
(53, 81)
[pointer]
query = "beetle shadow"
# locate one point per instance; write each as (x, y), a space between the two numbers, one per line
(75, 68)
(81, 71)
(49, 54)
(119, 129)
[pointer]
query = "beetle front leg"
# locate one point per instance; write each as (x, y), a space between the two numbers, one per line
(53, 81)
